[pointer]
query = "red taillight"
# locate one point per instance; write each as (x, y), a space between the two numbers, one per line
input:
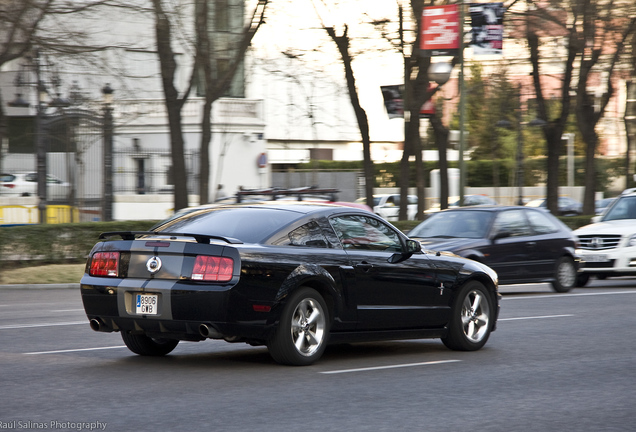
(105, 264)
(212, 268)
(9, 185)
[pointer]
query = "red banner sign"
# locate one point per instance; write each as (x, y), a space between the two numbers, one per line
(440, 30)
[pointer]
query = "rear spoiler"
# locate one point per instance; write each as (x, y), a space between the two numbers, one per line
(200, 238)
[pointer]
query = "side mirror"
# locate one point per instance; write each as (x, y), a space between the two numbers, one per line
(412, 246)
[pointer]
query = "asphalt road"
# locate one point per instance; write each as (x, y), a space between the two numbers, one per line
(558, 362)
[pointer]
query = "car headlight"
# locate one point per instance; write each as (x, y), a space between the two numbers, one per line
(632, 241)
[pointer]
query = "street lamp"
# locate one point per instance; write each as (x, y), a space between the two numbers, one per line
(107, 203)
(440, 72)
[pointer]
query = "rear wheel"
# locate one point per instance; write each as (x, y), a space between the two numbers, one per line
(303, 330)
(147, 346)
(564, 275)
(471, 318)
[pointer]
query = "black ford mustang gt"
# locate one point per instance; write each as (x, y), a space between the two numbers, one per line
(293, 277)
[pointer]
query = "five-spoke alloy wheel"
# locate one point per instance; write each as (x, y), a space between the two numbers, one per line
(301, 336)
(471, 320)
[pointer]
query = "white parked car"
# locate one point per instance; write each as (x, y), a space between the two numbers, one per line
(26, 184)
(388, 206)
(608, 246)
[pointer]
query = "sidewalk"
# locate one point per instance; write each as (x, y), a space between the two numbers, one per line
(39, 286)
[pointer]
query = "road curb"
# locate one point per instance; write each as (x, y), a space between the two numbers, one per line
(40, 286)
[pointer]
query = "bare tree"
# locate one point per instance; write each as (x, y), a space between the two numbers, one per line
(603, 35)
(343, 43)
(594, 32)
(21, 29)
(216, 87)
(416, 93)
(174, 101)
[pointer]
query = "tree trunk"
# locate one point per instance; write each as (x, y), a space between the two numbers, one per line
(342, 42)
(441, 141)
(173, 103)
(555, 127)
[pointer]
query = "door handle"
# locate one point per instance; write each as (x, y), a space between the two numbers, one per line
(364, 266)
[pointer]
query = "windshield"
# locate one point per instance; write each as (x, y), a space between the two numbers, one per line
(623, 208)
(454, 224)
(248, 224)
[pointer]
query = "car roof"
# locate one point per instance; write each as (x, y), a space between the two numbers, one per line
(488, 207)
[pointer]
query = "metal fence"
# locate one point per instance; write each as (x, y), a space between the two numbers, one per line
(149, 171)
(74, 141)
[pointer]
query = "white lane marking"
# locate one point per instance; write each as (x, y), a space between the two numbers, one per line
(74, 350)
(388, 367)
(535, 317)
(21, 326)
(556, 295)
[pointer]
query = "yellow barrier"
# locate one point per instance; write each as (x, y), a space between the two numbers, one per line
(20, 214)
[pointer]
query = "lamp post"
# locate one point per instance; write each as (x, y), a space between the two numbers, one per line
(107, 198)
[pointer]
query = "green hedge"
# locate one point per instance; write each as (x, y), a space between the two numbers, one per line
(57, 243)
(479, 172)
(66, 243)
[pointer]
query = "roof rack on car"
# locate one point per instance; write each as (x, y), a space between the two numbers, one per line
(276, 193)
(200, 238)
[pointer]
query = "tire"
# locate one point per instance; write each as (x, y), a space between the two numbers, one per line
(471, 318)
(147, 346)
(582, 279)
(564, 275)
(303, 330)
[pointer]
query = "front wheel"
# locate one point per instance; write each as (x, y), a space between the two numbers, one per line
(303, 330)
(471, 318)
(564, 275)
(147, 346)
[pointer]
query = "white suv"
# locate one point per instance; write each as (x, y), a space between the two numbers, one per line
(608, 246)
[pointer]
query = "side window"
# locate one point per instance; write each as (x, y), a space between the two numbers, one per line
(362, 232)
(541, 223)
(512, 222)
(308, 235)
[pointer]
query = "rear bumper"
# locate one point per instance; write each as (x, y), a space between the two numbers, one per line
(182, 309)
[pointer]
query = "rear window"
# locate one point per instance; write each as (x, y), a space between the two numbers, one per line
(7, 177)
(248, 224)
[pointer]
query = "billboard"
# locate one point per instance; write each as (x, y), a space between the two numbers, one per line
(393, 96)
(487, 28)
(440, 30)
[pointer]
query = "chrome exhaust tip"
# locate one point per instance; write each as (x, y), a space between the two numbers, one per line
(99, 326)
(210, 332)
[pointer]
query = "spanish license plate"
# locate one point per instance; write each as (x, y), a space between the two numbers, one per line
(595, 258)
(146, 304)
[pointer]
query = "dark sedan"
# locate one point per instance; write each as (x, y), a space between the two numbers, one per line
(293, 277)
(567, 206)
(522, 244)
